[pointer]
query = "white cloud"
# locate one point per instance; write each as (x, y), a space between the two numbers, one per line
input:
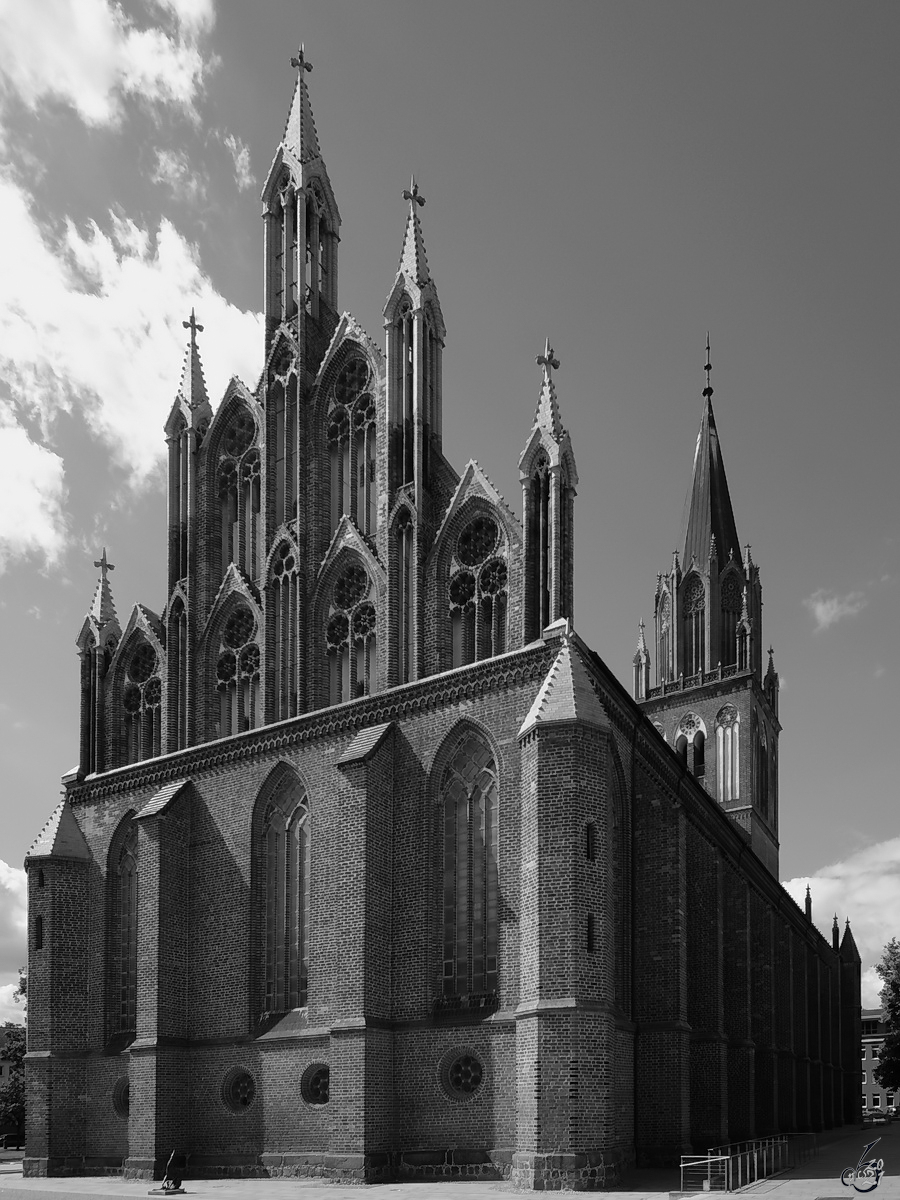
(173, 168)
(866, 888)
(88, 54)
(32, 516)
(827, 607)
(13, 919)
(93, 321)
(240, 152)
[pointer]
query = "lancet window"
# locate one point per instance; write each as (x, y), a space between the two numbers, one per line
(350, 636)
(540, 536)
(351, 442)
(284, 593)
(283, 233)
(286, 888)
(478, 593)
(730, 604)
(664, 637)
(404, 340)
(318, 267)
(179, 464)
(690, 743)
(694, 626)
(123, 889)
(762, 773)
(239, 495)
(284, 406)
(178, 683)
(141, 704)
(469, 813)
(237, 674)
(405, 619)
(728, 729)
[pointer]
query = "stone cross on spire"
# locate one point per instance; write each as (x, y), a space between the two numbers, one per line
(103, 608)
(547, 360)
(299, 60)
(707, 391)
(104, 564)
(412, 195)
(195, 329)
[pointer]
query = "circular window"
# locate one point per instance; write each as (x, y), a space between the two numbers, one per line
(143, 663)
(239, 628)
(462, 589)
(120, 1096)
(314, 1086)
(338, 630)
(238, 1089)
(153, 693)
(477, 540)
(461, 1074)
(364, 621)
(351, 587)
(493, 577)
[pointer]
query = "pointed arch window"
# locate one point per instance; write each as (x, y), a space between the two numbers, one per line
(762, 773)
(694, 626)
(240, 521)
(730, 604)
(178, 681)
(690, 743)
(283, 398)
(469, 813)
(539, 537)
(350, 636)
(405, 609)
(123, 885)
(728, 728)
(286, 889)
(351, 445)
(238, 674)
(284, 590)
(664, 638)
(142, 704)
(478, 593)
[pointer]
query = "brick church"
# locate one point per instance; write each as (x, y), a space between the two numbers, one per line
(370, 868)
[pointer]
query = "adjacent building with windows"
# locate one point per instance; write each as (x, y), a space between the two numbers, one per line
(370, 868)
(873, 1034)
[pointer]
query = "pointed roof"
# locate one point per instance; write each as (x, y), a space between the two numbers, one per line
(61, 837)
(848, 945)
(300, 135)
(413, 259)
(641, 654)
(163, 798)
(192, 387)
(566, 694)
(708, 513)
(103, 607)
(546, 415)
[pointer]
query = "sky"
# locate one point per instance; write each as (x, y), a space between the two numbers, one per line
(620, 177)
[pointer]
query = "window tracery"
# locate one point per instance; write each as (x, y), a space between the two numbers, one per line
(405, 620)
(284, 591)
(730, 605)
(469, 801)
(540, 538)
(141, 704)
(477, 593)
(694, 607)
(351, 441)
(123, 884)
(178, 683)
(286, 888)
(350, 636)
(728, 728)
(690, 743)
(238, 476)
(664, 621)
(238, 674)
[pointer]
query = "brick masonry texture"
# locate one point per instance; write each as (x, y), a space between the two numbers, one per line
(657, 991)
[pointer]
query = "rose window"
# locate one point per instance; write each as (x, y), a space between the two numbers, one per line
(731, 594)
(239, 628)
(141, 699)
(338, 630)
(726, 715)
(226, 667)
(352, 380)
(239, 435)
(315, 1084)
(477, 541)
(351, 587)
(153, 693)
(364, 621)
(238, 1090)
(339, 425)
(493, 577)
(695, 596)
(462, 589)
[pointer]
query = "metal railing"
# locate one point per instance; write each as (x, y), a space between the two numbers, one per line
(729, 1168)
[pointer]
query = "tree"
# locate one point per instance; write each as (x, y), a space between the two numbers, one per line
(887, 1073)
(20, 995)
(12, 1092)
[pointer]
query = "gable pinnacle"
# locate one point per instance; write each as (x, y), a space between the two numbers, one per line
(193, 386)
(103, 607)
(413, 259)
(300, 135)
(547, 411)
(641, 644)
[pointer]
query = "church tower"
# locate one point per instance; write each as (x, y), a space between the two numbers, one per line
(549, 479)
(711, 700)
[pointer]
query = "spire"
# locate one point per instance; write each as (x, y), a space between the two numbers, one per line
(547, 412)
(103, 608)
(192, 387)
(835, 934)
(641, 651)
(300, 135)
(413, 259)
(808, 903)
(708, 511)
(848, 945)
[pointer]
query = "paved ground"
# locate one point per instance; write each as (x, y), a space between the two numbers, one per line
(818, 1179)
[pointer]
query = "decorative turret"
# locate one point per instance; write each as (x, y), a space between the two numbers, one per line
(641, 664)
(185, 429)
(549, 479)
(415, 334)
(100, 634)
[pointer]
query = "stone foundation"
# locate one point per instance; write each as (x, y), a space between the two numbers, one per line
(589, 1171)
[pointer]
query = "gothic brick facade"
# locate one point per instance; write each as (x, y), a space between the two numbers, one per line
(371, 869)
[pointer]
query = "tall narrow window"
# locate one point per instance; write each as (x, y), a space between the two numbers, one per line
(238, 675)
(350, 637)
(690, 743)
(730, 604)
(284, 593)
(540, 538)
(286, 888)
(470, 876)
(694, 627)
(351, 444)
(178, 682)
(664, 621)
(763, 773)
(239, 495)
(699, 766)
(123, 934)
(477, 594)
(141, 705)
(728, 728)
(405, 610)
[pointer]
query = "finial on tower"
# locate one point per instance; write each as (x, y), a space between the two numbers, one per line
(299, 60)
(548, 360)
(707, 391)
(104, 564)
(195, 329)
(412, 193)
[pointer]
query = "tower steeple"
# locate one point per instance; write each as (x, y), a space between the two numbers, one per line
(302, 223)
(549, 479)
(100, 634)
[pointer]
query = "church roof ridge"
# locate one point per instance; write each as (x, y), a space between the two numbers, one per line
(567, 693)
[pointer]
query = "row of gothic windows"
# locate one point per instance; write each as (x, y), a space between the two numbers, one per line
(733, 647)
(690, 745)
(477, 593)
(469, 814)
(351, 446)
